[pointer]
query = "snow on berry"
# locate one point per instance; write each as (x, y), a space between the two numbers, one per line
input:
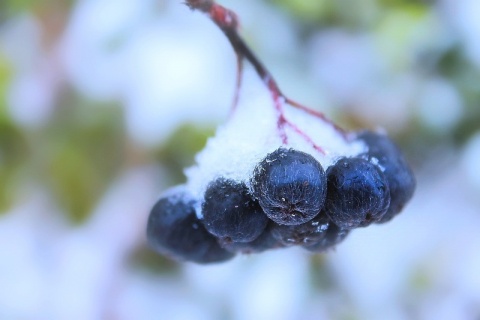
(252, 132)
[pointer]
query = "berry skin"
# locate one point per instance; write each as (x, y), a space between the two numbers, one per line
(173, 229)
(357, 193)
(230, 213)
(290, 186)
(401, 180)
(264, 242)
(333, 236)
(306, 233)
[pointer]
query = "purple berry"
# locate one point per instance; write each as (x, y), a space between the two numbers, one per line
(290, 186)
(265, 241)
(174, 230)
(306, 233)
(333, 236)
(357, 193)
(230, 213)
(398, 173)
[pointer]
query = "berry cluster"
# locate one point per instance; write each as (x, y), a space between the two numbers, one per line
(287, 178)
(291, 201)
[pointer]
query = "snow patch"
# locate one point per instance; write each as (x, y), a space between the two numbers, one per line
(252, 132)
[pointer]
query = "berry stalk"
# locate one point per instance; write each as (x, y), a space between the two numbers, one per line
(227, 21)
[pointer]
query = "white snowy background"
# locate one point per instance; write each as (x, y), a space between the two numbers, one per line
(165, 66)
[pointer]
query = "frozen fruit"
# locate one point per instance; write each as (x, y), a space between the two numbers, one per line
(306, 233)
(266, 241)
(401, 181)
(230, 213)
(260, 182)
(357, 193)
(290, 186)
(333, 236)
(173, 229)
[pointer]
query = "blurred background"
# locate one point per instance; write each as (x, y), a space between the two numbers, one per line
(104, 103)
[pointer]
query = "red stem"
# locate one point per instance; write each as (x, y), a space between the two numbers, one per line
(238, 84)
(227, 21)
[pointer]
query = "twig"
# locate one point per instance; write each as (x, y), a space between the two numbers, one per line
(227, 21)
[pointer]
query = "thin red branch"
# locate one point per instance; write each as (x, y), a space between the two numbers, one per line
(227, 21)
(238, 84)
(317, 114)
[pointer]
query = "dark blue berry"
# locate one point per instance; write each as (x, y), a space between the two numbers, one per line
(173, 229)
(230, 213)
(290, 186)
(357, 193)
(333, 236)
(401, 180)
(265, 241)
(306, 233)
